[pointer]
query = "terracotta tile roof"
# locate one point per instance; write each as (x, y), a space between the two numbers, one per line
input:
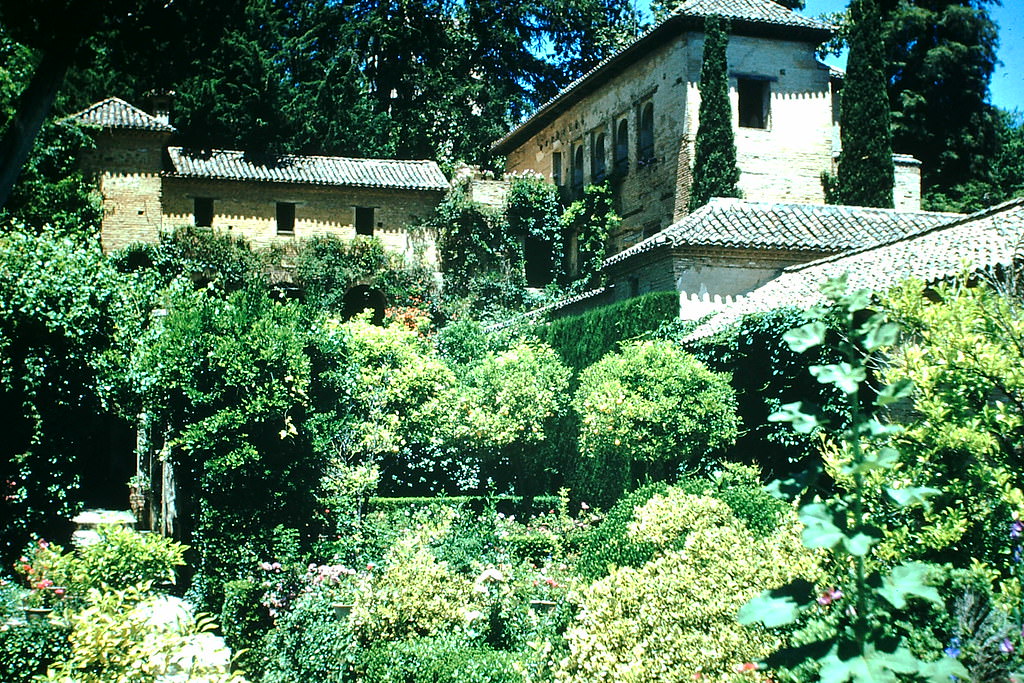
(313, 170)
(748, 16)
(116, 113)
(758, 11)
(980, 241)
(734, 223)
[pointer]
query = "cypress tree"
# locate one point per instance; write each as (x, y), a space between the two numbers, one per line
(865, 175)
(715, 173)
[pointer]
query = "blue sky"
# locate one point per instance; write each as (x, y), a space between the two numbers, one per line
(1008, 80)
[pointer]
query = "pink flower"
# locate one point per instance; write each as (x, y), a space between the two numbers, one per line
(829, 596)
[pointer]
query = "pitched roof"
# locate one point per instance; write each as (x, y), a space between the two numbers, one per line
(224, 164)
(734, 223)
(116, 113)
(748, 17)
(989, 238)
(756, 11)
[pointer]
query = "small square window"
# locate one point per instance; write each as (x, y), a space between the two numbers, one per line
(285, 218)
(754, 98)
(364, 220)
(202, 211)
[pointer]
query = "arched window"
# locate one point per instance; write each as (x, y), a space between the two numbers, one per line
(577, 169)
(597, 162)
(646, 151)
(622, 147)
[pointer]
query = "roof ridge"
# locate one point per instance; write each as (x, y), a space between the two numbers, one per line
(218, 150)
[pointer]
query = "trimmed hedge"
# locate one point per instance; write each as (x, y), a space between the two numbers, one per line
(438, 660)
(518, 505)
(582, 340)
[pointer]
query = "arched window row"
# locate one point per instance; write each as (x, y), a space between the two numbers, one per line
(601, 145)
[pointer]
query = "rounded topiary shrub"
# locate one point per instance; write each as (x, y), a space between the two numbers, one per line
(647, 411)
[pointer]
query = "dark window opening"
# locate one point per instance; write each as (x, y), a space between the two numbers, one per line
(577, 170)
(556, 168)
(622, 147)
(598, 163)
(285, 218)
(364, 220)
(203, 211)
(646, 150)
(537, 255)
(754, 96)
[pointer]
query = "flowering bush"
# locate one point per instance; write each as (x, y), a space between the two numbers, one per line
(44, 570)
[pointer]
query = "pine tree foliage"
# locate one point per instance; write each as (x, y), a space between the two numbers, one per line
(865, 174)
(940, 57)
(715, 173)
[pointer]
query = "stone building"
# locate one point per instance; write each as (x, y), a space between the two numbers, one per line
(986, 244)
(729, 247)
(633, 118)
(149, 187)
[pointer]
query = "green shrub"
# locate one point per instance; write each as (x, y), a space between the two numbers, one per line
(437, 660)
(207, 257)
(122, 558)
(584, 339)
(610, 544)
(766, 374)
(462, 343)
(29, 648)
(650, 410)
(307, 644)
(675, 615)
(133, 636)
(326, 267)
(510, 408)
(739, 487)
(244, 622)
(414, 594)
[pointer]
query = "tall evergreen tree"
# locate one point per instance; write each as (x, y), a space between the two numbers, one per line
(865, 175)
(715, 173)
(940, 57)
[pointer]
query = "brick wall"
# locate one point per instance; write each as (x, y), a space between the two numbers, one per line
(250, 210)
(127, 168)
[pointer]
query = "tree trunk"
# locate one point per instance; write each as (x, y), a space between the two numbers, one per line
(33, 108)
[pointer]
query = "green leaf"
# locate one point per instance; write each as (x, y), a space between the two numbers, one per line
(803, 423)
(891, 393)
(885, 458)
(769, 610)
(777, 607)
(835, 287)
(820, 530)
(871, 666)
(860, 543)
(806, 336)
(879, 336)
(856, 301)
(845, 376)
(943, 670)
(912, 495)
(908, 579)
